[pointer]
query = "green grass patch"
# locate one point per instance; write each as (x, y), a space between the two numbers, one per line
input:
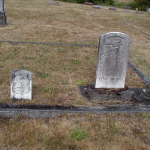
(78, 134)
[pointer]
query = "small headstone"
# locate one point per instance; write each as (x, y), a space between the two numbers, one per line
(112, 8)
(51, 2)
(136, 9)
(139, 12)
(2, 14)
(21, 85)
(112, 60)
(127, 7)
(126, 10)
(88, 3)
(97, 6)
(148, 10)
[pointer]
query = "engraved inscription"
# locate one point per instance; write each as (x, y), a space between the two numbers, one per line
(112, 60)
(21, 84)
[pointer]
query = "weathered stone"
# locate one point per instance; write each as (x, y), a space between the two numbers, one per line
(112, 8)
(97, 6)
(112, 60)
(139, 12)
(108, 94)
(21, 85)
(1, 5)
(127, 7)
(126, 10)
(51, 2)
(148, 9)
(2, 14)
(88, 3)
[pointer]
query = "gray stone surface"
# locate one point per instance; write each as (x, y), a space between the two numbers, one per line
(148, 9)
(126, 10)
(21, 85)
(127, 7)
(1, 5)
(97, 6)
(139, 12)
(88, 3)
(51, 2)
(3, 18)
(111, 94)
(112, 8)
(112, 60)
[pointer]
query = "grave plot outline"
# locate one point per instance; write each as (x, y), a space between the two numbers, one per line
(113, 54)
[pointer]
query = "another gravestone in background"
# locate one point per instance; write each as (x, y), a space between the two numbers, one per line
(127, 7)
(21, 85)
(88, 3)
(51, 2)
(112, 8)
(2, 14)
(112, 60)
(97, 6)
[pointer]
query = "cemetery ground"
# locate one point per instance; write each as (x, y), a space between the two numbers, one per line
(58, 70)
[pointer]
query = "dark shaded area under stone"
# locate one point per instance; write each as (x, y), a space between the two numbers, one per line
(136, 95)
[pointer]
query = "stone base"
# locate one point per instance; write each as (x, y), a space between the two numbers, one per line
(3, 19)
(108, 94)
(136, 95)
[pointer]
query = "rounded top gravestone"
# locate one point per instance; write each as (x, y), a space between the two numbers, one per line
(112, 60)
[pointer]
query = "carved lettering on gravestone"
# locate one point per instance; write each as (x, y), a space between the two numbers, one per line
(1, 5)
(112, 60)
(21, 84)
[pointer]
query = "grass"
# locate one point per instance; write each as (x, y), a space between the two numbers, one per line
(77, 132)
(58, 70)
(63, 68)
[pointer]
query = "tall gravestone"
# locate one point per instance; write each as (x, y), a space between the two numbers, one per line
(21, 85)
(2, 14)
(112, 60)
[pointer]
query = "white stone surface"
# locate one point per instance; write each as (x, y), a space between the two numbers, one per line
(21, 85)
(112, 60)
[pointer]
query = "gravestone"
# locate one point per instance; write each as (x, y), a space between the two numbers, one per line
(127, 7)
(21, 85)
(97, 6)
(139, 12)
(112, 8)
(51, 2)
(88, 3)
(126, 10)
(2, 14)
(112, 60)
(148, 10)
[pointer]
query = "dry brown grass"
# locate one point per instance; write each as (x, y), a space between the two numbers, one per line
(57, 70)
(97, 132)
